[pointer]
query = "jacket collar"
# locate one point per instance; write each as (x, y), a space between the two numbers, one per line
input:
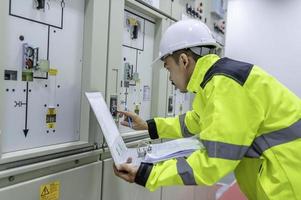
(202, 66)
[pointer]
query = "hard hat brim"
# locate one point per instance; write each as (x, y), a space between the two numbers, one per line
(156, 60)
(210, 44)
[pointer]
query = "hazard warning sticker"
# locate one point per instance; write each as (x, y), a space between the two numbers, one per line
(50, 191)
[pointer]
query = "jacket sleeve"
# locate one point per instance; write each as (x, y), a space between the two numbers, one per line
(185, 125)
(230, 125)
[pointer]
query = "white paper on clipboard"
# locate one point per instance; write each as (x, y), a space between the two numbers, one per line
(108, 126)
(152, 153)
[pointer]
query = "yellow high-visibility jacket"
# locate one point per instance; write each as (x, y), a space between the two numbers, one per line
(248, 122)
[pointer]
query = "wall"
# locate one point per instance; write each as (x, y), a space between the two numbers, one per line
(267, 33)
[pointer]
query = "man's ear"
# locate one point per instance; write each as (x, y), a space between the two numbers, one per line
(184, 59)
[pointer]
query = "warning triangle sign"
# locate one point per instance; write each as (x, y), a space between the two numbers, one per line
(45, 192)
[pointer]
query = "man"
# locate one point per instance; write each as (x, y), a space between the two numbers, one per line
(248, 122)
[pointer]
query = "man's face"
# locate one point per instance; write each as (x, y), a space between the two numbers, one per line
(178, 73)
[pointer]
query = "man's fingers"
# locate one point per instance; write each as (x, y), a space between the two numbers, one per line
(129, 160)
(122, 175)
(125, 176)
(128, 114)
(126, 171)
(124, 123)
(122, 172)
(125, 168)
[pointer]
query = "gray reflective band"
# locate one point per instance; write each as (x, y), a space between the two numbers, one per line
(269, 140)
(185, 172)
(225, 150)
(184, 129)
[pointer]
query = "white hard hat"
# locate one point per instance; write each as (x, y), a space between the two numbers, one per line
(185, 34)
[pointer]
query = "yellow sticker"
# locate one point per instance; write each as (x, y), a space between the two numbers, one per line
(50, 191)
(133, 21)
(51, 125)
(51, 118)
(52, 72)
(51, 111)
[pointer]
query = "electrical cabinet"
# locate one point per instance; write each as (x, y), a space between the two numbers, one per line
(37, 112)
(211, 12)
(135, 79)
(131, 83)
(48, 61)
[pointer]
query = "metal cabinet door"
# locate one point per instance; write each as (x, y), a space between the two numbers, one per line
(115, 188)
(82, 183)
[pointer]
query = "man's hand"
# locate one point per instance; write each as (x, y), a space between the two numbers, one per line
(136, 121)
(126, 171)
